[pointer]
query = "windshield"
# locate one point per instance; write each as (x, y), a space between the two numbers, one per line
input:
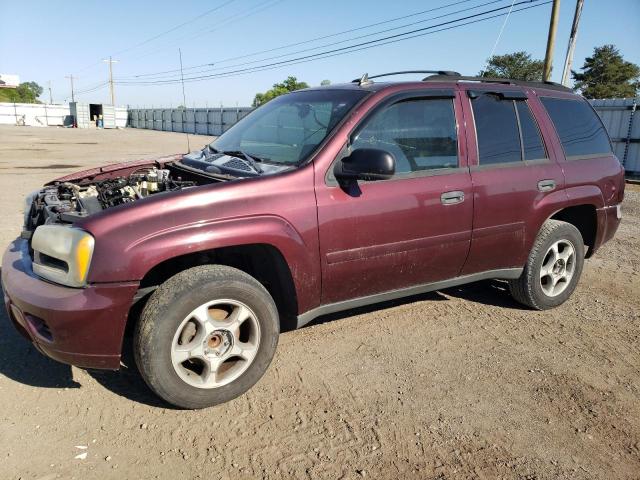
(288, 129)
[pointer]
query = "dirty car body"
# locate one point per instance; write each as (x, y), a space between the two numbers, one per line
(275, 197)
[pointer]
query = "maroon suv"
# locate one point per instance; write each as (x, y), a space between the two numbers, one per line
(322, 200)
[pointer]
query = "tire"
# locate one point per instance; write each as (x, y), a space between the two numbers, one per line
(536, 288)
(197, 315)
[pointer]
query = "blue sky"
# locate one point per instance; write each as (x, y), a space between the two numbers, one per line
(46, 40)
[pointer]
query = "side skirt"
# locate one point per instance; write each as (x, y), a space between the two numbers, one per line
(503, 274)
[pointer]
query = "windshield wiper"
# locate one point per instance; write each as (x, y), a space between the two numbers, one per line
(253, 161)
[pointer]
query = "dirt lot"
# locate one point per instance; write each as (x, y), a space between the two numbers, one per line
(461, 383)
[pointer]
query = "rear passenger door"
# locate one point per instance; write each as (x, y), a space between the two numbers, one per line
(512, 170)
(588, 157)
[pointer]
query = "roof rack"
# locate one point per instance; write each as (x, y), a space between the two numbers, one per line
(506, 81)
(365, 79)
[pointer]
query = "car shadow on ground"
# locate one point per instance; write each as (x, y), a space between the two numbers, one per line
(20, 361)
(487, 292)
(127, 382)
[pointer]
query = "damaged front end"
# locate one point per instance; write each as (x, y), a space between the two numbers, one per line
(66, 202)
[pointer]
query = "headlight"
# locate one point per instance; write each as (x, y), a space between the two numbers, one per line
(62, 254)
(28, 200)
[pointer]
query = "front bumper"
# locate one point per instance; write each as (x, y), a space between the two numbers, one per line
(79, 326)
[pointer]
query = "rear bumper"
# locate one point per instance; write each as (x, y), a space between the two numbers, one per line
(79, 326)
(608, 223)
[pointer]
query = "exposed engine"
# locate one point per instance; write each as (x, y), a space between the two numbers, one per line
(67, 202)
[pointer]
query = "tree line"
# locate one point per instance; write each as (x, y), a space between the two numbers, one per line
(605, 74)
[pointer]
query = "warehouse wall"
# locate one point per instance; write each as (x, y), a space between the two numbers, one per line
(43, 115)
(620, 117)
(202, 121)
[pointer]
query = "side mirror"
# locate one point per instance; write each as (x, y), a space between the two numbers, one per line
(366, 164)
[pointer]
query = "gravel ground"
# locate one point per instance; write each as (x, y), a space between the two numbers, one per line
(461, 383)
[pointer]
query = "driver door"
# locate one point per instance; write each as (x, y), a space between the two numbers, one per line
(413, 229)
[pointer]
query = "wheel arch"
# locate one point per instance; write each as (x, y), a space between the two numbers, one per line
(585, 218)
(262, 261)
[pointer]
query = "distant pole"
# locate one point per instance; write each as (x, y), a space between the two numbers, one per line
(111, 61)
(73, 98)
(566, 71)
(184, 103)
(50, 95)
(551, 40)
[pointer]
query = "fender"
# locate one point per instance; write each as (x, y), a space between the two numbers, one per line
(133, 238)
(557, 201)
(147, 252)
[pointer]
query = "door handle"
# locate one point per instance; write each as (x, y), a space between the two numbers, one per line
(451, 198)
(546, 185)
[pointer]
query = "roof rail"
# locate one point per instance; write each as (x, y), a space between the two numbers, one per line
(365, 79)
(506, 81)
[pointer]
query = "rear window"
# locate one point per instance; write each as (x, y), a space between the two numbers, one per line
(579, 128)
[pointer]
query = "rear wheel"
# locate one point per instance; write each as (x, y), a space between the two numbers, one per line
(553, 267)
(206, 336)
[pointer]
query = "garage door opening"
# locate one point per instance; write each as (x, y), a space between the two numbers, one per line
(95, 112)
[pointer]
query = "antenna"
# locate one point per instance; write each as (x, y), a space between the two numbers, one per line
(184, 103)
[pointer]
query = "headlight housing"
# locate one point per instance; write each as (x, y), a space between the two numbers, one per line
(62, 254)
(28, 201)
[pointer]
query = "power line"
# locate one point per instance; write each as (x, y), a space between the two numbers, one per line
(224, 22)
(327, 44)
(97, 87)
(364, 27)
(94, 64)
(504, 24)
(256, 69)
(347, 49)
(173, 29)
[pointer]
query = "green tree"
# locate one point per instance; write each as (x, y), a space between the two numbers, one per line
(289, 85)
(325, 83)
(517, 65)
(27, 92)
(607, 75)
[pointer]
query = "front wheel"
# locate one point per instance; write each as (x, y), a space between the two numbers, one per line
(553, 267)
(206, 336)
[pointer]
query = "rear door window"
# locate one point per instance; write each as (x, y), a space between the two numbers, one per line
(532, 146)
(580, 130)
(496, 130)
(506, 130)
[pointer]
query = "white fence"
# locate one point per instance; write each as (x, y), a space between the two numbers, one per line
(619, 116)
(202, 121)
(43, 115)
(34, 114)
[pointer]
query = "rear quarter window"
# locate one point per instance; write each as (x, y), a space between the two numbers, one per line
(580, 130)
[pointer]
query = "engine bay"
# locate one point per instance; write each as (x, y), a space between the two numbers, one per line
(66, 202)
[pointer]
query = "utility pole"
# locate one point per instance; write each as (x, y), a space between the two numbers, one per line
(70, 77)
(566, 71)
(50, 95)
(551, 40)
(111, 62)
